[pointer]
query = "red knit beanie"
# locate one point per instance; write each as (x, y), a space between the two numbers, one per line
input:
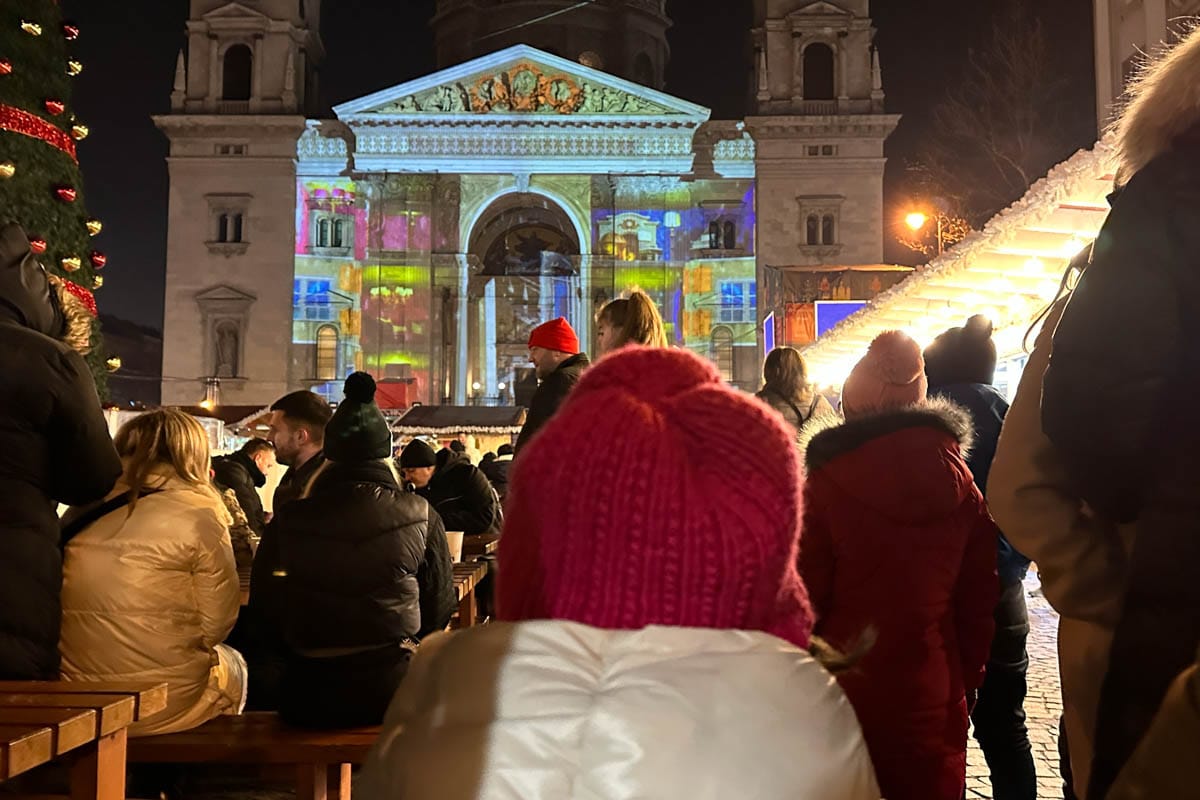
(556, 334)
(657, 496)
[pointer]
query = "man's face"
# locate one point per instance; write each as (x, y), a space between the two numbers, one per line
(544, 361)
(265, 461)
(418, 476)
(287, 440)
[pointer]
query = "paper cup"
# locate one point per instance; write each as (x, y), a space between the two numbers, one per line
(455, 538)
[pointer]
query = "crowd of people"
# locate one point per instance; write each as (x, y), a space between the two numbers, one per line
(699, 593)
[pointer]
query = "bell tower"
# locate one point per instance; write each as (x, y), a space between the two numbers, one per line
(622, 37)
(819, 125)
(243, 85)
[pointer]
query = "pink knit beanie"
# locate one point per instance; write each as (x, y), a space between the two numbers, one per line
(657, 496)
(891, 375)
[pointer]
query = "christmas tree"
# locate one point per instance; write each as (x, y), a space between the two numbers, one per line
(40, 183)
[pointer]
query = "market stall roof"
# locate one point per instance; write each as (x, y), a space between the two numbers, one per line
(439, 420)
(233, 416)
(843, 268)
(1009, 271)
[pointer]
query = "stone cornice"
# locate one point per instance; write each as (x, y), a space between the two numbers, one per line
(200, 125)
(848, 125)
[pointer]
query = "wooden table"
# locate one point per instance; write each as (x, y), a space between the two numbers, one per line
(86, 721)
(467, 576)
(480, 544)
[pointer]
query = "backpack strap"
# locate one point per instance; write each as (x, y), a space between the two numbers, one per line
(76, 526)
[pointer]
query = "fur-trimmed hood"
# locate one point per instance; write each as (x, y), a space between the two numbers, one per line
(1163, 108)
(909, 463)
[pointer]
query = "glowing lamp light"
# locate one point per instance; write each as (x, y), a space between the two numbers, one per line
(1033, 266)
(502, 386)
(1072, 246)
(207, 405)
(475, 386)
(916, 220)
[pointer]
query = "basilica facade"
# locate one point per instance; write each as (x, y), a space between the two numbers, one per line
(420, 232)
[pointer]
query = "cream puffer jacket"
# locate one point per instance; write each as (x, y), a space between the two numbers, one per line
(562, 711)
(149, 596)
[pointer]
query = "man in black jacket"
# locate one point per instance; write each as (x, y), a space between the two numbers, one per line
(554, 351)
(458, 491)
(54, 448)
(298, 423)
(496, 470)
(245, 471)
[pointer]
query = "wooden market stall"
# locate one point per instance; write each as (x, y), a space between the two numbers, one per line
(482, 428)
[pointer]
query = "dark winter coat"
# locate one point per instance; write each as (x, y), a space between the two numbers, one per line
(987, 408)
(238, 471)
(293, 482)
(358, 566)
(550, 394)
(1118, 403)
(462, 495)
(897, 539)
(54, 448)
(497, 472)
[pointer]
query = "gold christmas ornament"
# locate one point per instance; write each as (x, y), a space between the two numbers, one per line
(7, 169)
(94, 226)
(74, 67)
(113, 363)
(72, 263)
(80, 132)
(97, 281)
(32, 28)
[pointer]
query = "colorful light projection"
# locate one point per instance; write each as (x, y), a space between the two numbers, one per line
(397, 324)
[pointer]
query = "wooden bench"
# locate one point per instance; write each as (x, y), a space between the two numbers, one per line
(467, 576)
(87, 722)
(321, 759)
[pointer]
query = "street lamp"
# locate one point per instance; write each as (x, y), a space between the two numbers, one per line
(916, 221)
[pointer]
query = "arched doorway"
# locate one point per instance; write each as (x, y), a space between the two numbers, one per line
(525, 254)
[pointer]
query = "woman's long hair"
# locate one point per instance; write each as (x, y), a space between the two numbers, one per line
(786, 374)
(636, 321)
(165, 438)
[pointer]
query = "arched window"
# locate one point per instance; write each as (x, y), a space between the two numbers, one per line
(722, 352)
(818, 72)
(714, 235)
(828, 232)
(302, 9)
(327, 352)
(323, 233)
(643, 70)
(339, 233)
(239, 63)
(223, 228)
(730, 236)
(235, 233)
(812, 230)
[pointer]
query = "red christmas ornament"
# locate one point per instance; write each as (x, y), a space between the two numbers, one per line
(5, 66)
(99, 259)
(70, 32)
(18, 121)
(56, 107)
(66, 194)
(38, 245)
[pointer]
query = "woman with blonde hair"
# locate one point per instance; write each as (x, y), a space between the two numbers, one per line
(629, 320)
(150, 590)
(786, 389)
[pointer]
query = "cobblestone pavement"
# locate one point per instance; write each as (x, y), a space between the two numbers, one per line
(1043, 703)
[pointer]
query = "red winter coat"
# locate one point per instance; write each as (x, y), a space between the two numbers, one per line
(898, 539)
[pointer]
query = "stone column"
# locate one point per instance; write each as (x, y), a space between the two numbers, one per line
(797, 67)
(214, 75)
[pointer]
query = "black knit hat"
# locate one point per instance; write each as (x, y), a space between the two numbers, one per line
(962, 355)
(418, 454)
(358, 431)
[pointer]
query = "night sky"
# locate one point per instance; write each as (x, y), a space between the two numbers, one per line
(129, 51)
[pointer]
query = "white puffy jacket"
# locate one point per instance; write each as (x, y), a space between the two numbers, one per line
(561, 711)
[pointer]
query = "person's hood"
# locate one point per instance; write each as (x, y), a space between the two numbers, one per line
(906, 464)
(448, 460)
(26, 296)
(555, 710)
(246, 462)
(1164, 112)
(577, 361)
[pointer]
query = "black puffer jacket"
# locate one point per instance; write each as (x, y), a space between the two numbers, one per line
(54, 448)
(238, 471)
(462, 495)
(359, 563)
(550, 394)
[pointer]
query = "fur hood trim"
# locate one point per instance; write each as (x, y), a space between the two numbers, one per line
(827, 438)
(1163, 106)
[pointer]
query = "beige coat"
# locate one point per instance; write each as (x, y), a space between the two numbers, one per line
(1081, 559)
(560, 711)
(150, 597)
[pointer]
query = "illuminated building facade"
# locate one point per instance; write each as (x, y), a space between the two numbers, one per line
(425, 229)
